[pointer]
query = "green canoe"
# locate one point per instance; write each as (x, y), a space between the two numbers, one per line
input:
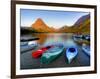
(51, 54)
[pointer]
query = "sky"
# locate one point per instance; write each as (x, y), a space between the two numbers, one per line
(55, 19)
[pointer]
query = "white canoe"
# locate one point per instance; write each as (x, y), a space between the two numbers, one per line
(27, 48)
(86, 49)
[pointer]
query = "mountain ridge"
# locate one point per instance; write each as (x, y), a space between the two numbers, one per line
(82, 25)
(40, 26)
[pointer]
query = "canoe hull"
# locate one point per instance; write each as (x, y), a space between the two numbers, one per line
(71, 55)
(51, 55)
(27, 48)
(38, 53)
(86, 49)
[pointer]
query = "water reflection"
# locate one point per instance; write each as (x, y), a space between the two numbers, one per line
(42, 37)
(54, 38)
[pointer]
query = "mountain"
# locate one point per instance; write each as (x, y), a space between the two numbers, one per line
(82, 25)
(66, 29)
(81, 20)
(40, 26)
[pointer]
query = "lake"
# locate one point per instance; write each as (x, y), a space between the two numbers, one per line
(45, 39)
(54, 38)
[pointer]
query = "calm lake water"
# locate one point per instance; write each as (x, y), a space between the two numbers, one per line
(54, 38)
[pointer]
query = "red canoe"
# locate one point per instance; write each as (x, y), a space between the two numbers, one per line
(39, 52)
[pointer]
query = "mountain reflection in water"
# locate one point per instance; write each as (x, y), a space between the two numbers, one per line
(55, 38)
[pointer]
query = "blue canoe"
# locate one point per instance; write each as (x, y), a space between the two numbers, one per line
(71, 53)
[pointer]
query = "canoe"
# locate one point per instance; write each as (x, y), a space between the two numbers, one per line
(39, 52)
(71, 53)
(87, 37)
(51, 54)
(23, 43)
(24, 39)
(27, 47)
(86, 49)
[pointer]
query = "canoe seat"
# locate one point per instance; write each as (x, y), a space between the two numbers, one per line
(72, 49)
